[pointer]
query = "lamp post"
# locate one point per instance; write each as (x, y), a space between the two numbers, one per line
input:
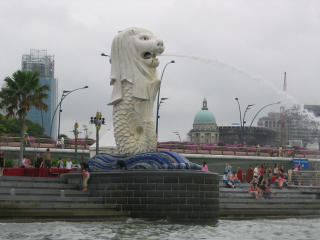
(65, 93)
(76, 135)
(106, 55)
(178, 134)
(237, 99)
(158, 97)
(98, 120)
(244, 121)
(270, 104)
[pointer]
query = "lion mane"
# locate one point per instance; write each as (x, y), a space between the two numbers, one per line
(135, 86)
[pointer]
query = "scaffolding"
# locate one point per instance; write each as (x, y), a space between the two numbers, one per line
(39, 61)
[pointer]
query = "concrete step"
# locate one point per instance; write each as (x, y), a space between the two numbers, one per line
(270, 213)
(268, 205)
(274, 196)
(39, 185)
(29, 179)
(270, 201)
(43, 191)
(66, 213)
(38, 198)
(54, 205)
(276, 190)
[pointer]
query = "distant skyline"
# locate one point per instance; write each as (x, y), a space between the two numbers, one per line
(222, 49)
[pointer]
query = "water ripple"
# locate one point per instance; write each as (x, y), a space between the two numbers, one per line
(138, 229)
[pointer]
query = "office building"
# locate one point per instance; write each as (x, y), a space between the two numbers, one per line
(39, 61)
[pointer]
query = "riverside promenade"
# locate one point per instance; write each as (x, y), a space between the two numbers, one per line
(174, 195)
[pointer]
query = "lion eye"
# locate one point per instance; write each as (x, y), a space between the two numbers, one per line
(145, 38)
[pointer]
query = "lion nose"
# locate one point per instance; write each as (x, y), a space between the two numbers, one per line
(160, 43)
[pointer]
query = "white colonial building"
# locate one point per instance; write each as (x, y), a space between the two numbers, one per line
(204, 127)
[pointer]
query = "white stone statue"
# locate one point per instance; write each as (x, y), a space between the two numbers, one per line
(135, 86)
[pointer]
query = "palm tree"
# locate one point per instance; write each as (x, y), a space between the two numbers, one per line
(20, 93)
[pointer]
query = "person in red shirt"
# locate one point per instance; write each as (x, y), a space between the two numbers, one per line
(239, 174)
(249, 174)
(260, 174)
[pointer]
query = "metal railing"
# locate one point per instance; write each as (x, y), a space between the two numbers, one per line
(305, 178)
(41, 143)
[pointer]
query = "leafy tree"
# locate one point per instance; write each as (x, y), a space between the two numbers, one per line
(21, 92)
(11, 127)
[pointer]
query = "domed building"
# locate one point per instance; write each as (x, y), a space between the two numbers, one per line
(204, 126)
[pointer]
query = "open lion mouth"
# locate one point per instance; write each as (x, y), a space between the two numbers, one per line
(148, 55)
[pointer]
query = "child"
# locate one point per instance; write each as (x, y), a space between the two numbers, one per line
(85, 176)
(254, 190)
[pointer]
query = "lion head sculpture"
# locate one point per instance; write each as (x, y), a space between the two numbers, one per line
(133, 58)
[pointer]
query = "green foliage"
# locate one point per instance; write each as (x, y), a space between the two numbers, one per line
(21, 92)
(9, 163)
(11, 127)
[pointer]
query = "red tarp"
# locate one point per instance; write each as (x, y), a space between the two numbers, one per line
(35, 172)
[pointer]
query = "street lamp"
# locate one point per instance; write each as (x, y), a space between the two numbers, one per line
(76, 135)
(237, 99)
(270, 104)
(65, 93)
(178, 134)
(245, 112)
(98, 120)
(244, 121)
(158, 97)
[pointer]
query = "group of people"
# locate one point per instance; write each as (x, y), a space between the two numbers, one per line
(261, 178)
(45, 161)
(232, 178)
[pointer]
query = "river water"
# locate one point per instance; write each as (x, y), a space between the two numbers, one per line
(138, 229)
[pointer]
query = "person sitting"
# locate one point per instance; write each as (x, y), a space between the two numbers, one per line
(266, 190)
(280, 181)
(26, 162)
(226, 181)
(205, 167)
(68, 164)
(60, 163)
(235, 180)
(254, 190)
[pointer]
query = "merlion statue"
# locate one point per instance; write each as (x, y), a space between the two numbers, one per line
(135, 87)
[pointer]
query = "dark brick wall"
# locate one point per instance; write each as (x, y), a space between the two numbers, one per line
(175, 195)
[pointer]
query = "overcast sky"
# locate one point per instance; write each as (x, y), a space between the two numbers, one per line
(243, 48)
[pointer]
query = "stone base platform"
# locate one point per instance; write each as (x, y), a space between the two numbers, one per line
(186, 196)
(175, 195)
